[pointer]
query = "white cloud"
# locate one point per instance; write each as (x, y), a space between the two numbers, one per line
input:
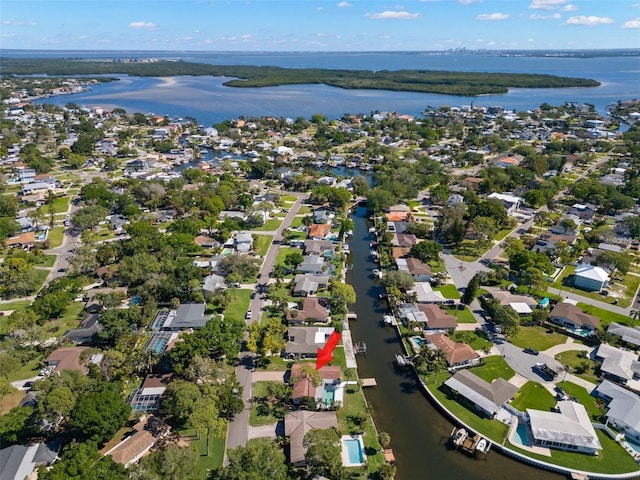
(393, 15)
(344, 4)
(16, 23)
(531, 40)
(536, 16)
(589, 21)
(569, 8)
(145, 25)
(492, 16)
(467, 2)
(246, 37)
(635, 23)
(546, 4)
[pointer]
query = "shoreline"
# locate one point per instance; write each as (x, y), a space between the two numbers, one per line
(504, 450)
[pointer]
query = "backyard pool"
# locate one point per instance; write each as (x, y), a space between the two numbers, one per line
(329, 395)
(353, 451)
(417, 342)
(633, 444)
(581, 332)
(520, 436)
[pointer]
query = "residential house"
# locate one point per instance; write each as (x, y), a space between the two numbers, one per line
(629, 335)
(213, 282)
(568, 428)
(323, 215)
(304, 342)
(298, 424)
(548, 242)
(313, 264)
(567, 225)
(133, 447)
(25, 240)
(19, 462)
(420, 272)
(457, 353)
(118, 222)
(590, 278)
(312, 311)
(504, 161)
(235, 214)
(522, 304)
(147, 398)
(425, 294)
(309, 284)
(437, 319)
(622, 408)
(487, 398)
(570, 316)
(243, 242)
(206, 241)
(303, 386)
(618, 365)
(68, 358)
(510, 202)
(404, 240)
(319, 247)
(584, 212)
(187, 316)
(319, 231)
(89, 327)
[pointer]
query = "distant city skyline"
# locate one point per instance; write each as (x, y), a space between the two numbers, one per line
(313, 25)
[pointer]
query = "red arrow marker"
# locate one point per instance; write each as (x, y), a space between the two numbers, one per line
(325, 354)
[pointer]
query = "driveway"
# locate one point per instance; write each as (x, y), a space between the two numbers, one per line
(523, 363)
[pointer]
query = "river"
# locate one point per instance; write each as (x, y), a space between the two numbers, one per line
(419, 433)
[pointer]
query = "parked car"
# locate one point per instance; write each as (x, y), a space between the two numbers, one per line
(531, 351)
(248, 315)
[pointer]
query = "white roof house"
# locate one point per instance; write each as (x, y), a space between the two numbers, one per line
(511, 202)
(590, 277)
(567, 429)
(623, 407)
(622, 365)
(629, 335)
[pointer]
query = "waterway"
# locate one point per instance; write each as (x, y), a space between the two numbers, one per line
(419, 433)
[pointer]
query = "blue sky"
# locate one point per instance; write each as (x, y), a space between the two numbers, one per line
(314, 25)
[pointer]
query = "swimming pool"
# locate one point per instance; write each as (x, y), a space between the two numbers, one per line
(581, 332)
(353, 451)
(633, 444)
(520, 435)
(417, 342)
(329, 395)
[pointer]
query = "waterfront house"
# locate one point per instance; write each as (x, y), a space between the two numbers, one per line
(309, 284)
(302, 383)
(296, 426)
(568, 428)
(487, 398)
(618, 365)
(437, 319)
(425, 294)
(319, 247)
(404, 240)
(304, 342)
(622, 408)
(313, 264)
(319, 231)
(590, 278)
(420, 272)
(457, 353)
(312, 311)
(570, 316)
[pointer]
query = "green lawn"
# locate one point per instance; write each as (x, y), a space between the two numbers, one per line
(594, 407)
(29, 370)
(568, 270)
(239, 305)
(41, 276)
(477, 338)
(262, 243)
(494, 367)
(205, 464)
(437, 265)
(492, 429)
(60, 204)
(611, 459)
(70, 319)
(55, 236)
(605, 316)
(537, 337)
(535, 396)
(270, 225)
(304, 209)
(354, 404)
(296, 222)
(47, 261)
(255, 419)
(448, 291)
(283, 252)
(462, 316)
(576, 361)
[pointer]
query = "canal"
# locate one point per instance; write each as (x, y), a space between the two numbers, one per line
(419, 433)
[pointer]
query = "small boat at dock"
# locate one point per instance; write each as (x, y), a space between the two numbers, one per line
(402, 361)
(458, 436)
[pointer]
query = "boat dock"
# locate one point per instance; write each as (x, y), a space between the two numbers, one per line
(471, 443)
(369, 382)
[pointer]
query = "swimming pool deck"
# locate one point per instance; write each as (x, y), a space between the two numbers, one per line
(346, 461)
(529, 448)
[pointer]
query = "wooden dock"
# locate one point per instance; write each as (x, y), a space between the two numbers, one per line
(369, 382)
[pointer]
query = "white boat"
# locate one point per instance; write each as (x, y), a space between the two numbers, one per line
(482, 445)
(401, 360)
(388, 319)
(377, 273)
(458, 436)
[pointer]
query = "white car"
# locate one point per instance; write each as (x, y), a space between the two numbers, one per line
(248, 315)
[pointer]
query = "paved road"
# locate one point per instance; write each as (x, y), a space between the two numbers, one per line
(590, 301)
(239, 430)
